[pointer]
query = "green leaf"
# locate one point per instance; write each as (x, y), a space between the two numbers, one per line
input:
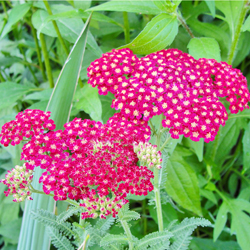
(88, 100)
(113, 239)
(197, 146)
(246, 147)
(242, 49)
(11, 230)
(16, 13)
(9, 212)
(221, 220)
(204, 47)
(182, 184)
(240, 222)
(211, 6)
(158, 33)
(231, 10)
(32, 235)
(168, 212)
(59, 241)
(246, 25)
(10, 92)
(165, 5)
(138, 6)
(107, 111)
(70, 28)
(160, 240)
(205, 244)
(218, 149)
(244, 114)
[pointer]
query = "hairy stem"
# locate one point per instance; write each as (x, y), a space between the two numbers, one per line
(184, 24)
(156, 182)
(236, 37)
(83, 245)
(144, 207)
(126, 27)
(158, 200)
(46, 59)
(128, 233)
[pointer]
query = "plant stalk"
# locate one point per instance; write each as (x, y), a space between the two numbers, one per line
(56, 27)
(232, 50)
(126, 27)
(38, 51)
(46, 59)
(184, 24)
(2, 78)
(128, 233)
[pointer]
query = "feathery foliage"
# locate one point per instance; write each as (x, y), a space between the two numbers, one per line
(156, 240)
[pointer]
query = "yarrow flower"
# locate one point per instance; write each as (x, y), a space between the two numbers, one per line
(18, 180)
(27, 124)
(148, 155)
(91, 161)
(172, 83)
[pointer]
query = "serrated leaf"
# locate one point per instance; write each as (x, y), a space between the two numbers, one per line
(59, 241)
(130, 215)
(182, 184)
(221, 220)
(138, 6)
(204, 47)
(157, 35)
(16, 13)
(32, 235)
(113, 239)
(154, 239)
(67, 214)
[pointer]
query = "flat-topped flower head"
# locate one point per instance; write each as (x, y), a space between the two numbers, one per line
(89, 156)
(186, 91)
(28, 123)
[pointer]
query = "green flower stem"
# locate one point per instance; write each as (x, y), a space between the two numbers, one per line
(128, 233)
(235, 41)
(156, 182)
(33, 190)
(184, 24)
(144, 212)
(83, 245)
(56, 28)
(38, 51)
(165, 143)
(46, 59)
(158, 200)
(126, 27)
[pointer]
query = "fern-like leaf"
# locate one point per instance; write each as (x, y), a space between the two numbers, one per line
(49, 219)
(67, 214)
(58, 240)
(156, 240)
(104, 225)
(114, 239)
(183, 231)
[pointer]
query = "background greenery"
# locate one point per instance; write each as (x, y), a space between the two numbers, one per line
(209, 180)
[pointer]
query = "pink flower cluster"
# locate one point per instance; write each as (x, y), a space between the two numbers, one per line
(88, 160)
(27, 124)
(172, 83)
(18, 181)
